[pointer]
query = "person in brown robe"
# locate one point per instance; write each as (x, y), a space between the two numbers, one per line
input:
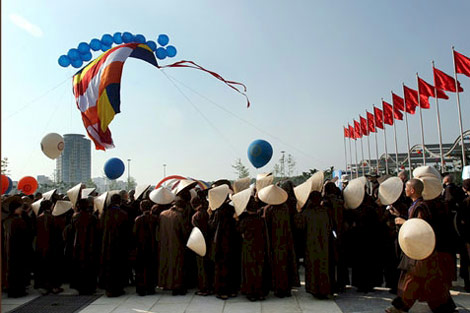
(251, 227)
(205, 266)
(317, 232)
(114, 248)
(173, 235)
(16, 250)
(85, 248)
(284, 270)
(146, 263)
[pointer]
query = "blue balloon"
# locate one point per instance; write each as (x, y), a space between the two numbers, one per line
(105, 48)
(163, 40)
(260, 152)
(73, 54)
(140, 38)
(64, 61)
(152, 45)
(117, 38)
(170, 51)
(114, 168)
(86, 56)
(107, 40)
(10, 185)
(83, 47)
(127, 37)
(77, 63)
(161, 53)
(95, 44)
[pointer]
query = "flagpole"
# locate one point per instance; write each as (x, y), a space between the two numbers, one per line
(345, 152)
(350, 157)
(376, 151)
(438, 123)
(395, 133)
(355, 151)
(385, 138)
(464, 159)
(362, 162)
(421, 121)
(368, 142)
(407, 132)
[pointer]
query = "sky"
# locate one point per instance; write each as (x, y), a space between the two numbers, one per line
(310, 68)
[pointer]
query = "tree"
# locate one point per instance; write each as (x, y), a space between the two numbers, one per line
(131, 183)
(290, 165)
(5, 170)
(240, 169)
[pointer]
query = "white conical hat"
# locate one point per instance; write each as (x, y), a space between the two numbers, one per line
(416, 239)
(139, 190)
(61, 207)
(48, 195)
(99, 202)
(36, 205)
(87, 191)
(432, 187)
(302, 192)
(317, 181)
(185, 184)
(263, 180)
(196, 242)
(390, 190)
(217, 196)
(240, 200)
(426, 171)
(273, 195)
(383, 178)
(363, 179)
(354, 193)
(241, 184)
(162, 195)
(73, 193)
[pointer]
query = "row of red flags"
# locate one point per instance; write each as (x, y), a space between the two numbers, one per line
(412, 98)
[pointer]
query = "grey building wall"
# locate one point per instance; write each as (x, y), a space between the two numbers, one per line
(74, 165)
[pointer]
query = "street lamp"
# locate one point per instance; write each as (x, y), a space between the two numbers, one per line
(164, 170)
(128, 173)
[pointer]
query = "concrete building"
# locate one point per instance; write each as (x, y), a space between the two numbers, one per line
(74, 165)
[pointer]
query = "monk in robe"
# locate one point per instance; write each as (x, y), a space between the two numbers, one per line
(85, 248)
(295, 221)
(63, 250)
(251, 227)
(146, 263)
(16, 250)
(205, 266)
(114, 248)
(173, 235)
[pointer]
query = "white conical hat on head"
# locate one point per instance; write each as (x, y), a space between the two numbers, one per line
(363, 179)
(196, 242)
(241, 184)
(240, 200)
(426, 171)
(162, 195)
(87, 191)
(302, 192)
(383, 178)
(61, 207)
(390, 190)
(36, 205)
(432, 187)
(354, 193)
(417, 239)
(217, 196)
(317, 181)
(73, 193)
(99, 202)
(263, 180)
(185, 184)
(48, 195)
(139, 190)
(273, 195)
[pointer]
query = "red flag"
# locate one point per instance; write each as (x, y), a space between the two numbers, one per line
(352, 135)
(364, 127)
(427, 90)
(371, 122)
(444, 81)
(411, 99)
(388, 113)
(346, 132)
(398, 102)
(357, 129)
(397, 114)
(379, 121)
(462, 64)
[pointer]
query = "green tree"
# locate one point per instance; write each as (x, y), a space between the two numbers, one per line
(5, 170)
(290, 165)
(240, 169)
(131, 183)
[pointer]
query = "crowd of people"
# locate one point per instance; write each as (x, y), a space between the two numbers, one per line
(255, 237)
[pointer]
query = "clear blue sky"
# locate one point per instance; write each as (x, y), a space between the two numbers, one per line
(310, 68)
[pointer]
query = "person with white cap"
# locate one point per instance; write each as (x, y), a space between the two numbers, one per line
(422, 279)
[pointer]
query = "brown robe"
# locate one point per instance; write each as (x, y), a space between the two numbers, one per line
(205, 266)
(146, 265)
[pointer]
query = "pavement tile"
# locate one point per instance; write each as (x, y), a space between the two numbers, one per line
(167, 308)
(8, 307)
(99, 308)
(242, 307)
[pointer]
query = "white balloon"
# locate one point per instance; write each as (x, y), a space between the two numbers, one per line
(52, 145)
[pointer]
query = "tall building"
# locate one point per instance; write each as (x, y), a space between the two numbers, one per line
(74, 165)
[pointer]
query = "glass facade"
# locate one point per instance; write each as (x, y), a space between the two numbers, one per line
(74, 165)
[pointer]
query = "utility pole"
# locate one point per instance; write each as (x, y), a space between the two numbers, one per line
(128, 173)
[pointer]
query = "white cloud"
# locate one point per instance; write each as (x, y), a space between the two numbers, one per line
(23, 23)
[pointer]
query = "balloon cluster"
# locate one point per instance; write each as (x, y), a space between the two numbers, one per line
(76, 56)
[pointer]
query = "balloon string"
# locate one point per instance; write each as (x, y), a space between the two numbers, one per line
(243, 120)
(200, 112)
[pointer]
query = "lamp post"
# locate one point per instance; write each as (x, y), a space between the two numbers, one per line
(128, 173)
(164, 170)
